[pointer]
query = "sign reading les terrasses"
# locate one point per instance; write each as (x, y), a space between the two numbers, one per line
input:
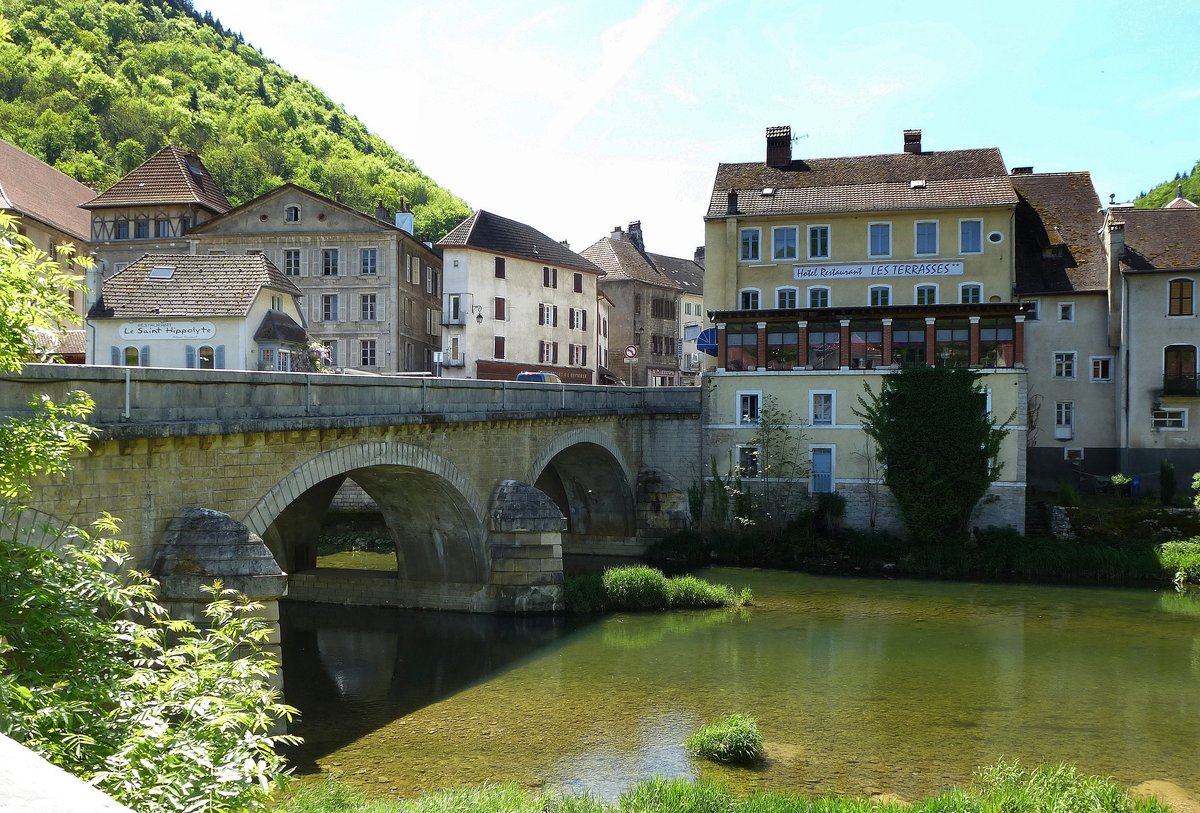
(947, 268)
(168, 330)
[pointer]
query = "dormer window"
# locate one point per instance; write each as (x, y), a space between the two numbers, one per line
(291, 214)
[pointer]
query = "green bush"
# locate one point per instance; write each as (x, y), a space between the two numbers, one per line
(1166, 482)
(733, 739)
(689, 592)
(636, 588)
(585, 594)
(1182, 559)
(644, 588)
(1066, 494)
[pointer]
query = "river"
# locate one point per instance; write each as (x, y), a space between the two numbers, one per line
(859, 686)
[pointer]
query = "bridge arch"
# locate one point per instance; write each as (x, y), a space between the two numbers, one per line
(586, 475)
(433, 512)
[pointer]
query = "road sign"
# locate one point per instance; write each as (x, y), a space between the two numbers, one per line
(631, 361)
(631, 351)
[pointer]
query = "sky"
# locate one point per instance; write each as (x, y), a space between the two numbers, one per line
(577, 117)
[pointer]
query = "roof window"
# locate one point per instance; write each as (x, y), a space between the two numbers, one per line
(918, 184)
(768, 191)
(162, 272)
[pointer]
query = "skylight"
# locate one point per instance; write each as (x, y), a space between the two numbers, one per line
(920, 184)
(162, 272)
(768, 191)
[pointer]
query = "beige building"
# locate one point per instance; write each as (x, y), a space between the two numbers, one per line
(517, 301)
(204, 312)
(372, 291)
(825, 275)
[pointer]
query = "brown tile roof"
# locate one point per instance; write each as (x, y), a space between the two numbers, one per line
(1058, 247)
(201, 285)
(1181, 203)
(488, 232)
(1160, 239)
(952, 178)
(169, 176)
(35, 189)
(621, 260)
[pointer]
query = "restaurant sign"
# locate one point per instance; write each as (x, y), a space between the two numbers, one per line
(167, 331)
(950, 268)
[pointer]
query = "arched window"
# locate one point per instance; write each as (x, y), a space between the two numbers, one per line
(1179, 370)
(1179, 297)
(132, 357)
(818, 296)
(787, 297)
(970, 294)
(291, 214)
(926, 295)
(879, 296)
(207, 358)
(748, 299)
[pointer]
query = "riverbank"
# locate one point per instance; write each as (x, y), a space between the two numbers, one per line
(1004, 786)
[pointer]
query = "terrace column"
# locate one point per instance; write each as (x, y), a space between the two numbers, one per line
(722, 350)
(973, 333)
(802, 339)
(762, 346)
(930, 340)
(887, 344)
(1019, 342)
(844, 347)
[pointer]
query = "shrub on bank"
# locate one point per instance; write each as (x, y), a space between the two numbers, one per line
(636, 588)
(1182, 558)
(733, 739)
(645, 588)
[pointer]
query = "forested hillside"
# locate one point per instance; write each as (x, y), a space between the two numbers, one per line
(96, 86)
(1167, 191)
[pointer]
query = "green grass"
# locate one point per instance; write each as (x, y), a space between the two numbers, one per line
(359, 560)
(1006, 787)
(733, 739)
(639, 587)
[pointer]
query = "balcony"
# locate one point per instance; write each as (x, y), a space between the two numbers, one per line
(1184, 385)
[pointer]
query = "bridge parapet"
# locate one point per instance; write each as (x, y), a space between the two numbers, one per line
(158, 402)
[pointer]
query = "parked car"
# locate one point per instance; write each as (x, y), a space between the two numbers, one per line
(545, 378)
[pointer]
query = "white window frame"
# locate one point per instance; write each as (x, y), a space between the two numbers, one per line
(299, 253)
(832, 447)
(828, 241)
(932, 286)
(740, 417)
(363, 346)
(1064, 430)
(963, 222)
(368, 304)
(363, 253)
(1073, 361)
(1162, 414)
(1032, 314)
(1092, 369)
(330, 299)
(757, 298)
(887, 289)
(287, 214)
(963, 287)
(337, 261)
(813, 288)
(1167, 310)
(787, 289)
(937, 238)
(795, 255)
(812, 407)
(1067, 308)
(742, 256)
(870, 228)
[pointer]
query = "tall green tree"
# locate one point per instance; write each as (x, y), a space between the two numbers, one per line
(938, 445)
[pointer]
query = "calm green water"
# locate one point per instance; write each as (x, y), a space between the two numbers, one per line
(858, 686)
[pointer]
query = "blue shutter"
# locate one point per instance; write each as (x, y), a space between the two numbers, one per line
(219, 357)
(144, 361)
(190, 357)
(116, 357)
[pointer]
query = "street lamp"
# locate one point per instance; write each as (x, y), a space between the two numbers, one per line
(478, 310)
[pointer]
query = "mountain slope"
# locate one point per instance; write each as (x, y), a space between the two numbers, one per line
(96, 86)
(1167, 191)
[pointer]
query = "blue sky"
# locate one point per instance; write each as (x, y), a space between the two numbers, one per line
(577, 117)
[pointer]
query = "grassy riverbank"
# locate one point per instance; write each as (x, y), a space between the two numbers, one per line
(1005, 787)
(638, 587)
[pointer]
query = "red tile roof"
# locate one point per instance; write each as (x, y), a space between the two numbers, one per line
(170, 176)
(37, 190)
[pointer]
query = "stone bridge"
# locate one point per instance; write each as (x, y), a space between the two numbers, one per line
(484, 485)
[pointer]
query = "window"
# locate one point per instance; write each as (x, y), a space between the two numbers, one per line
(121, 232)
(879, 243)
(453, 313)
(749, 406)
(926, 294)
(1066, 311)
(880, 296)
(818, 242)
(578, 355)
(548, 314)
(266, 358)
(1064, 365)
(748, 299)
(952, 342)
(414, 270)
(329, 262)
(661, 308)
(291, 214)
(498, 306)
(749, 245)
(367, 352)
(549, 277)
(577, 282)
(291, 262)
(908, 342)
(1064, 420)
(331, 352)
(162, 228)
(499, 268)
(1072, 453)
(662, 345)
(329, 307)
(970, 236)
(821, 480)
(997, 341)
(367, 307)
(784, 243)
(824, 345)
(1179, 370)
(578, 319)
(548, 352)
(687, 308)
(429, 280)
(498, 347)
(783, 347)
(368, 262)
(747, 461)
(970, 294)
(141, 230)
(206, 358)
(927, 237)
(276, 302)
(1179, 298)
(1170, 419)
(1101, 368)
(818, 297)
(1031, 309)
(787, 297)
(821, 408)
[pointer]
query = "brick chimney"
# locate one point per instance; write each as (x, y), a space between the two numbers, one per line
(912, 141)
(617, 233)
(731, 206)
(635, 235)
(1022, 170)
(779, 147)
(380, 212)
(699, 256)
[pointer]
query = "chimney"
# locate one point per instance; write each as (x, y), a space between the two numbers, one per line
(635, 235)
(731, 208)
(1179, 190)
(380, 212)
(95, 282)
(617, 233)
(912, 141)
(699, 256)
(565, 244)
(779, 147)
(1022, 170)
(404, 217)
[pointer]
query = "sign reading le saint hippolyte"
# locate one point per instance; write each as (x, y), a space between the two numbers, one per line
(168, 330)
(948, 268)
